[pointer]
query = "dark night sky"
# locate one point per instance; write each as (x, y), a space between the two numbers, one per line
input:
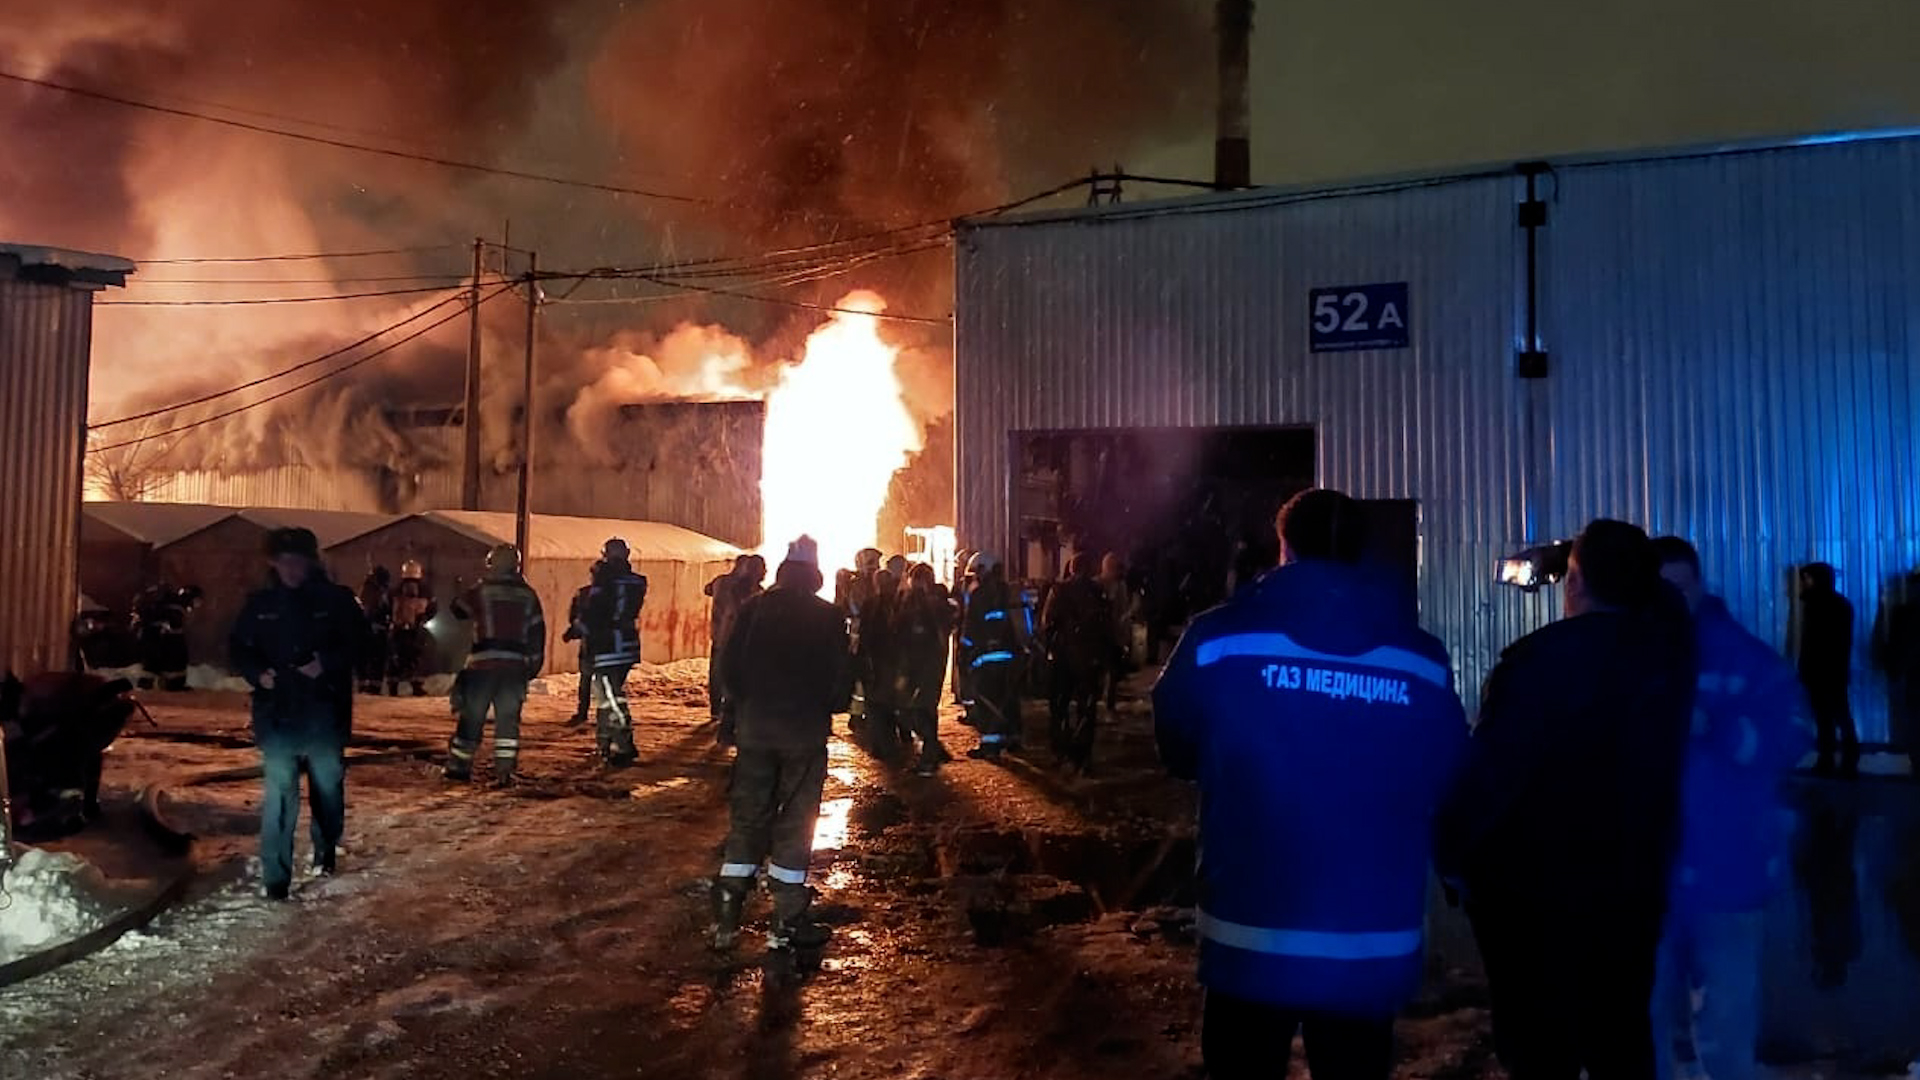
(1372, 87)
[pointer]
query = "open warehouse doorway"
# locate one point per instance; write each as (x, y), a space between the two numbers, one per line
(1191, 510)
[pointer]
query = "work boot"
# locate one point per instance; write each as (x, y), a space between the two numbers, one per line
(458, 770)
(504, 777)
(793, 927)
(987, 751)
(729, 900)
(932, 756)
(578, 719)
(621, 759)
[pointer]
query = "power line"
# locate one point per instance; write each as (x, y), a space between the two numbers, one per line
(783, 302)
(341, 351)
(344, 144)
(271, 299)
(298, 281)
(315, 381)
(318, 255)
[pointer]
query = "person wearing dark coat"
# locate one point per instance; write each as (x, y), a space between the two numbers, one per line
(1077, 628)
(576, 632)
(1826, 667)
(787, 669)
(923, 624)
(296, 643)
(1562, 830)
(610, 626)
(729, 591)
(376, 606)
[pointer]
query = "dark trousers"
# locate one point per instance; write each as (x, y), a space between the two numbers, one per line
(284, 755)
(996, 702)
(613, 729)
(1833, 716)
(502, 692)
(772, 802)
(1571, 990)
(1074, 711)
(585, 703)
(1242, 1040)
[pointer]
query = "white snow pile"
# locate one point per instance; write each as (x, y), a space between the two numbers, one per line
(48, 898)
(208, 677)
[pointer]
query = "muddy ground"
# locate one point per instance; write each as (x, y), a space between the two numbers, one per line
(993, 922)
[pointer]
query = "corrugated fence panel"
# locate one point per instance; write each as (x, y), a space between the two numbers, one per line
(1733, 348)
(1197, 316)
(46, 333)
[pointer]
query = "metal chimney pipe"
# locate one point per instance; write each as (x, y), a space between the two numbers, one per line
(1232, 148)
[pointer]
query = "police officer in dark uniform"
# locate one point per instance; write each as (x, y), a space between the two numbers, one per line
(509, 649)
(297, 642)
(610, 624)
(786, 670)
(996, 628)
(413, 607)
(376, 606)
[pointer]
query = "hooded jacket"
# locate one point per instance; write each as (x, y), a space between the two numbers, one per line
(1323, 727)
(786, 669)
(1750, 729)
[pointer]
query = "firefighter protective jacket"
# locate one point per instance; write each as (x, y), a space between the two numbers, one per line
(509, 628)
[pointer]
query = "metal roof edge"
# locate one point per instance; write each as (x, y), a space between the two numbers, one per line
(65, 266)
(1279, 194)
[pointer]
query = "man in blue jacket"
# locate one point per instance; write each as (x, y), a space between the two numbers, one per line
(1750, 729)
(1323, 727)
(296, 643)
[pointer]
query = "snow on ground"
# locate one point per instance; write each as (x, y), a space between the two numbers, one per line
(49, 898)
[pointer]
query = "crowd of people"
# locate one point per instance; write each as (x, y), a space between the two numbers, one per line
(1610, 821)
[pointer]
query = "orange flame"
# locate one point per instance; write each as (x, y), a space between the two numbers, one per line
(837, 431)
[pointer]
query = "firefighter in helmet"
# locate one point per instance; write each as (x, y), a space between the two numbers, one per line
(413, 608)
(996, 629)
(610, 624)
(509, 649)
(376, 605)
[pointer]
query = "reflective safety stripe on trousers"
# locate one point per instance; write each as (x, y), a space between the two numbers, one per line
(738, 869)
(785, 876)
(1312, 944)
(984, 659)
(1282, 647)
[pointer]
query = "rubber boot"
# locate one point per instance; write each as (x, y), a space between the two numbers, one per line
(793, 927)
(729, 900)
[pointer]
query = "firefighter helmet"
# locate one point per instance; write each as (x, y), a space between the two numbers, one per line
(503, 559)
(411, 570)
(983, 562)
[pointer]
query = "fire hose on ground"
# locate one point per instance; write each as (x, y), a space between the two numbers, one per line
(177, 843)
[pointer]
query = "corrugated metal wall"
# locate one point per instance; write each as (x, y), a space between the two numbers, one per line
(1731, 341)
(1733, 344)
(1200, 318)
(46, 333)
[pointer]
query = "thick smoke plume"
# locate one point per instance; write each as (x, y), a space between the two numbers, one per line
(799, 121)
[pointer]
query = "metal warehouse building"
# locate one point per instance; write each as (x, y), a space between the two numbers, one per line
(1717, 344)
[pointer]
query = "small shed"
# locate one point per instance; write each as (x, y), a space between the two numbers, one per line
(226, 560)
(46, 343)
(118, 541)
(452, 547)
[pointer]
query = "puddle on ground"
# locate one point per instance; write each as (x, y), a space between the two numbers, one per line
(831, 829)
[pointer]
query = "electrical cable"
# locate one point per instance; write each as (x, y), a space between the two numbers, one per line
(242, 301)
(341, 351)
(381, 279)
(316, 380)
(783, 302)
(303, 258)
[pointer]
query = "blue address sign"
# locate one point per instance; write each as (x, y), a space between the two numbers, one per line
(1350, 318)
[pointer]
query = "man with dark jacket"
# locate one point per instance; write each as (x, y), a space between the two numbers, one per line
(1749, 733)
(1562, 829)
(376, 606)
(729, 591)
(1322, 725)
(576, 632)
(296, 642)
(610, 625)
(923, 624)
(1077, 628)
(1826, 667)
(509, 649)
(787, 669)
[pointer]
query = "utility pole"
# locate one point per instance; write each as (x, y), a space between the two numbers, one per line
(1232, 148)
(470, 461)
(523, 518)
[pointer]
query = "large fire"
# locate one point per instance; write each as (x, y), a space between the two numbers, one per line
(837, 431)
